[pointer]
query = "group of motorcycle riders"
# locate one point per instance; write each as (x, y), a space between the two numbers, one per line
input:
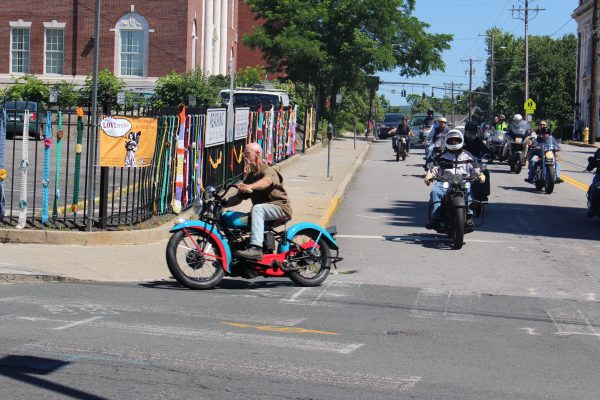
(449, 151)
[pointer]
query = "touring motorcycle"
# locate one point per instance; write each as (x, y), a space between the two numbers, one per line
(200, 252)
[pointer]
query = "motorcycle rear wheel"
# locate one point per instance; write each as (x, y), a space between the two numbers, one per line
(315, 266)
(458, 228)
(194, 259)
(549, 179)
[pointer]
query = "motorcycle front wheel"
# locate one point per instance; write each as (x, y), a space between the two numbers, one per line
(518, 167)
(194, 259)
(311, 261)
(549, 179)
(458, 228)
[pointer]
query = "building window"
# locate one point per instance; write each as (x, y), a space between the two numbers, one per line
(54, 51)
(131, 46)
(132, 53)
(20, 50)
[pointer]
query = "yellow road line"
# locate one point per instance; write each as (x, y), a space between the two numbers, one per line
(574, 182)
(333, 204)
(289, 329)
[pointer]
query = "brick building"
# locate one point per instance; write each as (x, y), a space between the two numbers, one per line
(140, 40)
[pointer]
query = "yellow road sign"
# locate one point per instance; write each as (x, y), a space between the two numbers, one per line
(529, 106)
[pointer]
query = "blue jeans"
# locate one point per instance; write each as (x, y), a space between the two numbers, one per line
(259, 214)
(532, 166)
(429, 153)
(436, 195)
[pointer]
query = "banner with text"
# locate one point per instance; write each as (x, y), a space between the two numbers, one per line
(127, 141)
(242, 116)
(216, 120)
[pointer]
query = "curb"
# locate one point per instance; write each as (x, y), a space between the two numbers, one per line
(34, 278)
(341, 189)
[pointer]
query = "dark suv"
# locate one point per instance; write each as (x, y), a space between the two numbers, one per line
(390, 121)
(15, 111)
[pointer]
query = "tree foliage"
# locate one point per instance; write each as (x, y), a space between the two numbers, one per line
(249, 76)
(28, 87)
(174, 88)
(551, 75)
(108, 87)
(338, 43)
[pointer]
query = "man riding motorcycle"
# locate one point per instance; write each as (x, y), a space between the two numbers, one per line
(592, 193)
(544, 142)
(436, 133)
(458, 161)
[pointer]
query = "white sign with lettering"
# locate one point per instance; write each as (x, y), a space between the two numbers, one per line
(216, 119)
(241, 122)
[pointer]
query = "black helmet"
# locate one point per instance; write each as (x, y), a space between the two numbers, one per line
(470, 126)
(545, 129)
(430, 111)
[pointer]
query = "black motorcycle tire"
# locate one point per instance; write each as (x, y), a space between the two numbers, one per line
(176, 269)
(324, 262)
(458, 228)
(397, 154)
(539, 181)
(518, 167)
(549, 187)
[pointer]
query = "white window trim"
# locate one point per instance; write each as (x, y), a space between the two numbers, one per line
(131, 22)
(18, 24)
(54, 25)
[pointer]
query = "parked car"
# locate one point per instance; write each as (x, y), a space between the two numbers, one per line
(15, 111)
(252, 97)
(390, 121)
(417, 124)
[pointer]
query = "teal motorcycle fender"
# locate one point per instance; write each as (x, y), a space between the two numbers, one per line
(301, 226)
(214, 233)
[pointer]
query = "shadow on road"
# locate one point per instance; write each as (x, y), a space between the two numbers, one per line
(541, 220)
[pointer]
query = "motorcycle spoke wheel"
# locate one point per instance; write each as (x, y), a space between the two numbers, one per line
(312, 258)
(194, 259)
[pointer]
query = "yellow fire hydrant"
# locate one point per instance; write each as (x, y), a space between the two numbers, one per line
(586, 134)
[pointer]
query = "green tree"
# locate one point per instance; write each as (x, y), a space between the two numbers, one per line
(29, 87)
(338, 43)
(67, 95)
(108, 87)
(551, 75)
(249, 76)
(174, 88)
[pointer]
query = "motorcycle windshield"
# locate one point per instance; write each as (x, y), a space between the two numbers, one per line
(519, 129)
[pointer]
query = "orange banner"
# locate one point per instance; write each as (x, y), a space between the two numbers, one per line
(127, 141)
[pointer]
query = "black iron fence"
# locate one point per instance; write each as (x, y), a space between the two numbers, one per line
(50, 189)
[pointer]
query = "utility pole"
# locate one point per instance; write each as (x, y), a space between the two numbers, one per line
(523, 13)
(593, 111)
(491, 36)
(450, 86)
(471, 72)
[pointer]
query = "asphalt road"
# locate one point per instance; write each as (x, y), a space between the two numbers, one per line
(512, 315)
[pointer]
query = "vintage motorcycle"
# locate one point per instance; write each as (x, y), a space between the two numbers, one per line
(201, 252)
(454, 208)
(517, 144)
(545, 170)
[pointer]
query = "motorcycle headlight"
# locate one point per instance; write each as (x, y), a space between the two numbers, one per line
(549, 154)
(198, 206)
(518, 140)
(445, 185)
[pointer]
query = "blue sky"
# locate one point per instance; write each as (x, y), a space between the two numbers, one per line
(466, 20)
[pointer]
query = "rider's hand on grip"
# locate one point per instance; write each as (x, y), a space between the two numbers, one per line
(428, 178)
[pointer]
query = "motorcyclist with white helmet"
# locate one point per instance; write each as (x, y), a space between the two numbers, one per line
(436, 133)
(458, 161)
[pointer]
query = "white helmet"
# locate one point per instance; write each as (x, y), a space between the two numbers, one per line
(517, 119)
(454, 133)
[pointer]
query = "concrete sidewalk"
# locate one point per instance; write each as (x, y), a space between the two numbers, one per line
(139, 255)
